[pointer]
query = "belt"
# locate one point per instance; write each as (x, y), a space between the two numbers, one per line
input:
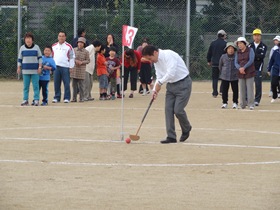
(183, 78)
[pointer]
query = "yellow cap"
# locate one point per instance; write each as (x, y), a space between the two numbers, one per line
(257, 31)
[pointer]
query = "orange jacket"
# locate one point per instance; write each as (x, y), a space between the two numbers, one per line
(101, 66)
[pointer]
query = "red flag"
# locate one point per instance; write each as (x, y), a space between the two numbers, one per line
(128, 35)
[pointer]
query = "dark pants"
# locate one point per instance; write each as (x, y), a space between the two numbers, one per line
(215, 79)
(234, 87)
(274, 84)
(176, 99)
(258, 86)
(62, 74)
(45, 91)
(132, 71)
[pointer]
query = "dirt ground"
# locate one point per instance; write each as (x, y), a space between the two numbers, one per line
(69, 156)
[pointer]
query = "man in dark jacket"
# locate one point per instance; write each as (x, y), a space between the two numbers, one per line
(81, 33)
(215, 51)
(260, 51)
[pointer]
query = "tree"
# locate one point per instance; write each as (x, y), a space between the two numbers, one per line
(8, 40)
(227, 14)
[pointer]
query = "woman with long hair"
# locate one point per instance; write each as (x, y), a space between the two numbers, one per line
(132, 64)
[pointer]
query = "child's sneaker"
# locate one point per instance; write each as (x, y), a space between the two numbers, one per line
(44, 103)
(234, 106)
(252, 107)
(224, 106)
(113, 97)
(24, 103)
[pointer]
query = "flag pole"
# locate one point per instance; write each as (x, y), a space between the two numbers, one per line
(128, 34)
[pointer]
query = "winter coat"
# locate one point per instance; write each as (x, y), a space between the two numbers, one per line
(260, 53)
(228, 71)
(215, 51)
(274, 63)
(245, 59)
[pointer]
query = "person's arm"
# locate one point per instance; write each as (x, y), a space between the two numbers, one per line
(40, 61)
(271, 62)
(271, 52)
(138, 56)
(251, 59)
(170, 62)
(236, 61)
(221, 63)
(71, 57)
(118, 64)
(209, 54)
(39, 56)
(87, 60)
(53, 65)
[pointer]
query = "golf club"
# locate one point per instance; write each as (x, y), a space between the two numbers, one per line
(136, 137)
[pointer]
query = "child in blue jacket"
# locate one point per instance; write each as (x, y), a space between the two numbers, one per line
(48, 67)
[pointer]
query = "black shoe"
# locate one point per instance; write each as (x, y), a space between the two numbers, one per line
(168, 140)
(185, 136)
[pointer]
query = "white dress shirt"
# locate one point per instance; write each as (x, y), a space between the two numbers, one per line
(170, 67)
(63, 55)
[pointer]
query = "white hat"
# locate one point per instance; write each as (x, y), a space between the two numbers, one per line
(277, 38)
(241, 39)
(221, 32)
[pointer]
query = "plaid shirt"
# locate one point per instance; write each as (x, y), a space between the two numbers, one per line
(79, 70)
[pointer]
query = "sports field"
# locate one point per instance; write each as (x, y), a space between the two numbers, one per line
(70, 157)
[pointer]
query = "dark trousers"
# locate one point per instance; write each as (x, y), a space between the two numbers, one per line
(258, 86)
(234, 88)
(45, 91)
(176, 99)
(215, 79)
(274, 84)
(132, 71)
(61, 74)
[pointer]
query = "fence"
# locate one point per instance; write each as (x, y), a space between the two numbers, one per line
(162, 21)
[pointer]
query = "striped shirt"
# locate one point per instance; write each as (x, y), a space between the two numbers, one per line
(29, 59)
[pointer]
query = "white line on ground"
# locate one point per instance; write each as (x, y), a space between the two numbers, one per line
(140, 164)
(138, 142)
(132, 126)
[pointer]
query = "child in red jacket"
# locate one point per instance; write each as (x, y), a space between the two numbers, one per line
(102, 73)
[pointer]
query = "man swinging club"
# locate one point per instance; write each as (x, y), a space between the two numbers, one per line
(172, 70)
